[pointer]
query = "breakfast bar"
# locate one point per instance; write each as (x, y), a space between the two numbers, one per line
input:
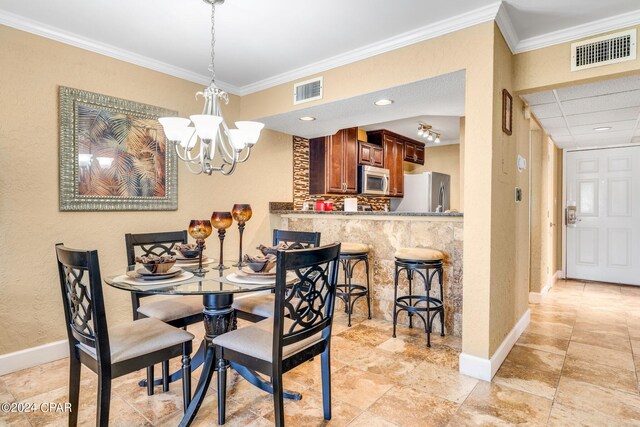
(385, 233)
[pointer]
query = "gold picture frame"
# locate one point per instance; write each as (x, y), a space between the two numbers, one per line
(507, 112)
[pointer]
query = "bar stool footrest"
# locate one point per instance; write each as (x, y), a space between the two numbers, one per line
(409, 303)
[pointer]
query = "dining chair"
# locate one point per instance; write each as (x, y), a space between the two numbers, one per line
(299, 330)
(256, 307)
(115, 351)
(178, 311)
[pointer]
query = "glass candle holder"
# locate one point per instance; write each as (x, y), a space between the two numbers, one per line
(200, 229)
(221, 221)
(241, 212)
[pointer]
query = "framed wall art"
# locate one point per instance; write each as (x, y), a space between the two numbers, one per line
(507, 110)
(114, 155)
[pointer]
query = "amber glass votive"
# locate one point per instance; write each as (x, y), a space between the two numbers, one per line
(241, 213)
(221, 221)
(200, 229)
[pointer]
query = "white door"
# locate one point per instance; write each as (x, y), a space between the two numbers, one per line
(604, 187)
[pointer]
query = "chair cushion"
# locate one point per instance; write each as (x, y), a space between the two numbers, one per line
(140, 337)
(353, 248)
(172, 308)
(257, 340)
(260, 304)
(419, 254)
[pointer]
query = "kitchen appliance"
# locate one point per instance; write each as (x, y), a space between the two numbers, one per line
(373, 181)
(424, 192)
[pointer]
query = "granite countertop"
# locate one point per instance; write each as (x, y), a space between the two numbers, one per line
(376, 213)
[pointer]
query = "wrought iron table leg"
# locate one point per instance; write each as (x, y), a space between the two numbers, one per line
(218, 319)
(263, 385)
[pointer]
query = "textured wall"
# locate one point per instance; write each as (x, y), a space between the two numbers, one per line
(301, 182)
(384, 236)
(30, 223)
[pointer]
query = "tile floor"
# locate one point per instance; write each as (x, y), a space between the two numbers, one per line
(576, 364)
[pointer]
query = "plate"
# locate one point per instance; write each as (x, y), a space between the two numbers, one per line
(250, 272)
(144, 274)
(195, 258)
(246, 280)
(193, 262)
(139, 281)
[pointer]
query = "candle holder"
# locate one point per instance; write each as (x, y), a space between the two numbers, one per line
(200, 229)
(221, 221)
(241, 213)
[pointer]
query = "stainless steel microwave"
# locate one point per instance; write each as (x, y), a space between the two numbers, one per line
(373, 181)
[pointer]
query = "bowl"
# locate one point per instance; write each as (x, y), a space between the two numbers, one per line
(189, 250)
(157, 264)
(259, 263)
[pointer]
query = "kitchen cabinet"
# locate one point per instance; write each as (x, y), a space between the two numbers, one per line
(333, 163)
(370, 155)
(393, 156)
(413, 152)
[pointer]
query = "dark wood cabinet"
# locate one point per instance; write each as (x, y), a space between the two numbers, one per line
(370, 155)
(393, 156)
(414, 152)
(333, 163)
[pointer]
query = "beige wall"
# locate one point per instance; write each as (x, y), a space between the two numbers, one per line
(444, 159)
(30, 223)
(550, 68)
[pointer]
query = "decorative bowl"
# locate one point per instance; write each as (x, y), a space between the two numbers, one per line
(189, 250)
(157, 264)
(260, 263)
(272, 250)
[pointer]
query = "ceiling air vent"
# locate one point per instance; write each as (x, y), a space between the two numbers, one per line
(306, 91)
(609, 49)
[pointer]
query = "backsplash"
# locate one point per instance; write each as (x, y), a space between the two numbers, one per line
(301, 182)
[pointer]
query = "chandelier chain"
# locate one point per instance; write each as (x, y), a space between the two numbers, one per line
(212, 67)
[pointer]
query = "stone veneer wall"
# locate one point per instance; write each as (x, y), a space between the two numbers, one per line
(301, 182)
(384, 236)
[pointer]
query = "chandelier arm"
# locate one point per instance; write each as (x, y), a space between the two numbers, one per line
(225, 142)
(246, 156)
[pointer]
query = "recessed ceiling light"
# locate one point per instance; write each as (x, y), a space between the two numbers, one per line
(307, 118)
(602, 128)
(382, 102)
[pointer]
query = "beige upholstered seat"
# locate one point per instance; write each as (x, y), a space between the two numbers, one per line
(260, 304)
(140, 337)
(172, 308)
(419, 254)
(257, 340)
(353, 248)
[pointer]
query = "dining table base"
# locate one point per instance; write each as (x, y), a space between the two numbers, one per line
(220, 318)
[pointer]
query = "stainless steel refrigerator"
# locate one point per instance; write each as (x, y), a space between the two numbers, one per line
(424, 192)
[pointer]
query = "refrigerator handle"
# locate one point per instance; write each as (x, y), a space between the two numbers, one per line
(386, 185)
(441, 196)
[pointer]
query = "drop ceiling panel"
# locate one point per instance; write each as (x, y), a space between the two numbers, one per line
(540, 98)
(546, 111)
(601, 88)
(628, 125)
(603, 116)
(552, 123)
(602, 103)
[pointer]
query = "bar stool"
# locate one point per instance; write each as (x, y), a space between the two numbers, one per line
(425, 262)
(351, 254)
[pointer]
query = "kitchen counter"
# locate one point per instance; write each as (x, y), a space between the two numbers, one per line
(368, 213)
(385, 233)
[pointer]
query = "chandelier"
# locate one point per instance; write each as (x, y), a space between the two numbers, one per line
(426, 131)
(209, 145)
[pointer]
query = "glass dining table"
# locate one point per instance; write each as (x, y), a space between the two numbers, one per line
(218, 288)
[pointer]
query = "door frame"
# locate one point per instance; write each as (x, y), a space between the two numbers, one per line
(564, 194)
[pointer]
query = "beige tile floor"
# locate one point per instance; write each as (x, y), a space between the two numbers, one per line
(576, 364)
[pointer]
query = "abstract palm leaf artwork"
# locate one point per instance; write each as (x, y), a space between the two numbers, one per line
(114, 154)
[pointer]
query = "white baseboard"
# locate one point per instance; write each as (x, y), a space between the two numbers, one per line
(537, 297)
(485, 369)
(30, 357)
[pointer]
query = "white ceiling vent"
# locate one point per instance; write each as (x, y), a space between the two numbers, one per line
(306, 91)
(609, 49)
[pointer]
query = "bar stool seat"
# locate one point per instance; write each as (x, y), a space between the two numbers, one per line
(419, 254)
(424, 263)
(353, 248)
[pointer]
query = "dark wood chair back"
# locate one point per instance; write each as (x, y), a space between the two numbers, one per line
(310, 301)
(84, 311)
(162, 243)
(297, 239)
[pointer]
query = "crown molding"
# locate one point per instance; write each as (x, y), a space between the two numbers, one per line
(53, 33)
(506, 28)
(580, 31)
(456, 23)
